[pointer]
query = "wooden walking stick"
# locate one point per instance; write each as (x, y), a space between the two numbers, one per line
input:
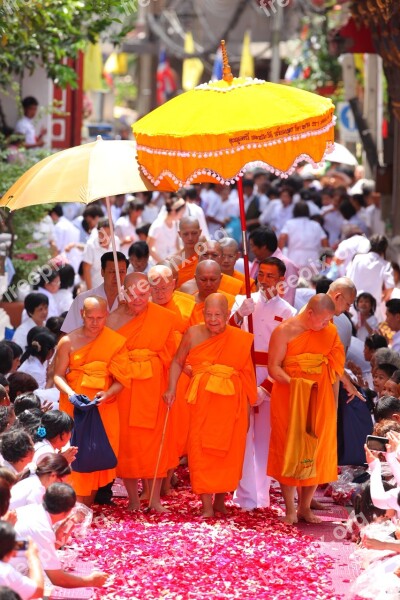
(148, 509)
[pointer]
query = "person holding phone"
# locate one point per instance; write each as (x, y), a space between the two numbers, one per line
(380, 497)
(27, 587)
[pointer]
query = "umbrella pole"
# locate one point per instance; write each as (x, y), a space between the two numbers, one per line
(114, 248)
(245, 247)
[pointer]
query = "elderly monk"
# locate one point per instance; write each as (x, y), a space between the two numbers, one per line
(149, 333)
(230, 254)
(221, 388)
(186, 261)
(303, 351)
(208, 278)
(92, 360)
(211, 250)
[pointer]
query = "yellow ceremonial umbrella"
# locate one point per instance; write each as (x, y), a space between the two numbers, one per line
(81, 174)
(216, 131)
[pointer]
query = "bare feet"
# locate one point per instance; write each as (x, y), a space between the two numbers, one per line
(158, 507)
(315, 505)
(134, 506)
(290, 519)
(220, 507)
(308, 516)
(207, 513)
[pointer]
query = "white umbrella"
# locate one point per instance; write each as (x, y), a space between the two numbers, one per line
(340, 154)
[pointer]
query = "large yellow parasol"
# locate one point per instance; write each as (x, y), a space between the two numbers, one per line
(216, 131)
(81, 174)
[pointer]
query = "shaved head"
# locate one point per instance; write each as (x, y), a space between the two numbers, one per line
(343, 284)
(217, 300)
(229, 243)
(94, 314)
(133, 279)
(206, 266)
(211, 250)
(189, 222)
(208, 278)
(216, 313)
(94, 302)
(159, 272)
(343, 293)
(321, 303)
(230, 254)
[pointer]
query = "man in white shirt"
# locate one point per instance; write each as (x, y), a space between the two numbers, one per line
(221, 211)
(37, 522)
(393, 321)
(26, 587)
(355, 243)
(64, 231)
(108, 290)
(277, 213)
(26, 127)
(125, 227)
(268, 310)
(98, 244)
(192, 209)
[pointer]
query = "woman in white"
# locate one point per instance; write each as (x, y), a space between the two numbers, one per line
(30, 489)
(49, 284)
(303, 237)
(163, 238)
(38, 352)
(54, 435)
(36, 306)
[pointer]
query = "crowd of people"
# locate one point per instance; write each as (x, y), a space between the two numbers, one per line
(166, 369)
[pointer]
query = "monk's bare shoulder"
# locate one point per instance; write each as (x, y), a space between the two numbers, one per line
(65, 343)
(197, 334)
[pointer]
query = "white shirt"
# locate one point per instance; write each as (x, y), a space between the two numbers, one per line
(32, 366)
(347, 249)
(267, 315)
(381, 498)
(221, 210)
(304, 240)
(53, 308)
(21, 584)
(73, 320)
(26, 127)
(374, 220)
(33, 521)
(370, 273)
(276, 214)
(303, 295)
(362, 332)
(64, 299)
(27, 491)
(124, 228)
(41, 449)
(344, 329)
(333, 223)
(166, 238)
(20, 334)
(92, 256)
(65, 233)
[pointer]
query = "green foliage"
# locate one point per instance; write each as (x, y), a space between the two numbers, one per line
(46, 32)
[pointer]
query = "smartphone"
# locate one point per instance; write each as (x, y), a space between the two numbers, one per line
(21, 545)
(374, 442)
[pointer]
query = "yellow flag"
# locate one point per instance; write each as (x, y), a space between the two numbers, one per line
(192, 67)
(247, 60)
(93, 69)
(116, 64)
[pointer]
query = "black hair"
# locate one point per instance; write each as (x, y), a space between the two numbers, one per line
(50, 463)
(57, 209)
(379, 244)
(103, 222)
(369, 297)
(109, 257)
(5, 413)
(45, 276)
(6, 358)
(191, 193)
(143, 229)
(4, 380)
(20, 383)
(347, 210)
(375, 341)
(393, 306)
(15, 348)
(67, 277)
(40, 346)
(301, 209)
(15, 445)
(7, 539)
(59, 498)
(5, 495)
(135, 204)
(386, 407)
(264, 236)
(26, 402)
(322, 284)
(367, 508)
(54, 422)
(29, 420)
(359, 198)
(396, 376)
(29, 101)
(7, 593)
(277, 262)
(139, 249)
(387, 368)
(33, 300)
(54, 324)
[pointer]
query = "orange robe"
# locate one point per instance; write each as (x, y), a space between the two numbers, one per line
(187, 269)
(240, 276)
(197, 314)
(222, 385)
(150, 343)
(230, 285)
(314, 356)
(92, 369)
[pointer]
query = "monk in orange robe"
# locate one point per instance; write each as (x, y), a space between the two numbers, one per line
(304, 350)
(212, 250)
(230, 254)
(149, 333)
(221, 388)
(208, 278)
(92, 360)
(186, 261)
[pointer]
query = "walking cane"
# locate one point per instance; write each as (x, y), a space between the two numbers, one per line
(158, 459)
